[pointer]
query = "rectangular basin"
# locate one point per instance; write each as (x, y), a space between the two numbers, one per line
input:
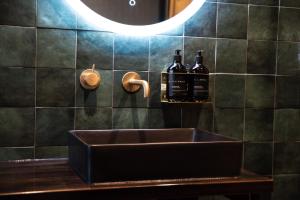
(147, 154)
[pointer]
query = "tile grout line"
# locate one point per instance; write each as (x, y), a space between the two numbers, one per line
(113, 80)
(35, 82)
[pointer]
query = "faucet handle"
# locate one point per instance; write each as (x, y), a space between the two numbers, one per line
(90, 78)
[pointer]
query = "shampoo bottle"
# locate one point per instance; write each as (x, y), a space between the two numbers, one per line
(177, 81)
(199, 80)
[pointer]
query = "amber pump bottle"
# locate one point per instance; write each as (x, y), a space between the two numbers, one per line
(199, 80)
(177, 80)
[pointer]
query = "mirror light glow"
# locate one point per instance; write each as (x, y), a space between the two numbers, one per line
(103, 23)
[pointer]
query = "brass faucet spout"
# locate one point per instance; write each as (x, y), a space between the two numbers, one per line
(132, 82)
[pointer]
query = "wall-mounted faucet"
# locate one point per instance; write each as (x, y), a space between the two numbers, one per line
(90, 78)
(132, 82)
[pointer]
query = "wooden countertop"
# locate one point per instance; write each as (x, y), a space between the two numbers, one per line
(54, 179)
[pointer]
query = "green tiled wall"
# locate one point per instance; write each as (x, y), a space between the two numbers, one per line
(251, 48)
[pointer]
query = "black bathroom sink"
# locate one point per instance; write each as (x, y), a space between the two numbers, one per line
(145, 154)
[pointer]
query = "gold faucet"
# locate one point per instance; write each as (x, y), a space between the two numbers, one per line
(132, 82)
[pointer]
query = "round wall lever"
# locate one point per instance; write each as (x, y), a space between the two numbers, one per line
(90, 79)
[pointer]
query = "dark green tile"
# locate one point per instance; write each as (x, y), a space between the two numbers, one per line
(287, 125)
(265, 2)
(289, 28)
(130, 118)
(94, 48)
(260, 91)
(234, 1)
(131, 53)
(259, 125)
(290, 3)
(176, 31)
(286, 187)
(16, 127)
(232, 21)
(101, 97)
(51, 152)
(288, 58)
(203, 23)
(55, 87)
(192, 45)
(229, 91)
(7, 154)
(287, 158)
(121, 98)
(52, 126)
(229, 122)
(85, 24)
(288, 91)
(93, 118)
(17, 46)
(166, 117)
(55, 14)
(231, 56)
(56, 48)
(155, 86)
(261, 57)
(200, 116)
(162, 49)
(258, 157)
(20, 91)
(18, 12)
(262, 23)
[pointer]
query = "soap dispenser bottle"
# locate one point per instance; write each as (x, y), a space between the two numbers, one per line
(199, 80)
(177, 81)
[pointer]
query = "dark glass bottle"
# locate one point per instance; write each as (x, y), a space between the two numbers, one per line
(177, 81)
(199, 80)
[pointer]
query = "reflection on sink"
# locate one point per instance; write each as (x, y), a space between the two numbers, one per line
(145, 154)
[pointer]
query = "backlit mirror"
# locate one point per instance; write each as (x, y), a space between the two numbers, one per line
(136, 17)
(137, 12)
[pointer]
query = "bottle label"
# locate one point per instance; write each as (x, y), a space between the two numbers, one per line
(177, 85)
(200, 86)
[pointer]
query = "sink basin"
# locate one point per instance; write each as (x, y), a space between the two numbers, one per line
(145, 154)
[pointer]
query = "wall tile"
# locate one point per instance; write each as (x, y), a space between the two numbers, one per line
(51, 152)
(130, 118)
(55, 14)
(287, 158)
(100, 97)
(231, 56)
(288, 92)
(131, 53)
(265, 2)
(224, 120)
(232, 21)
(286, 187)
(167, 117)
(198, 116)
(56, 48)
(192, 45)
(290, 3)
(258, 157)
(55, 87)
(259, 125)
(288, 58)
(18, 12)
(94, 48)
(52, 126)
(16, 127)
(121, 98)
(155, 89)
(16, 153)
(261, 57)
(203, 23)
(229, 91)
(17, 46)
(262, 23)
(93, 118)
(287, 125)
(289, 28)
(162, 49)
(260, 91)
(177, 31)
(21, 91)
